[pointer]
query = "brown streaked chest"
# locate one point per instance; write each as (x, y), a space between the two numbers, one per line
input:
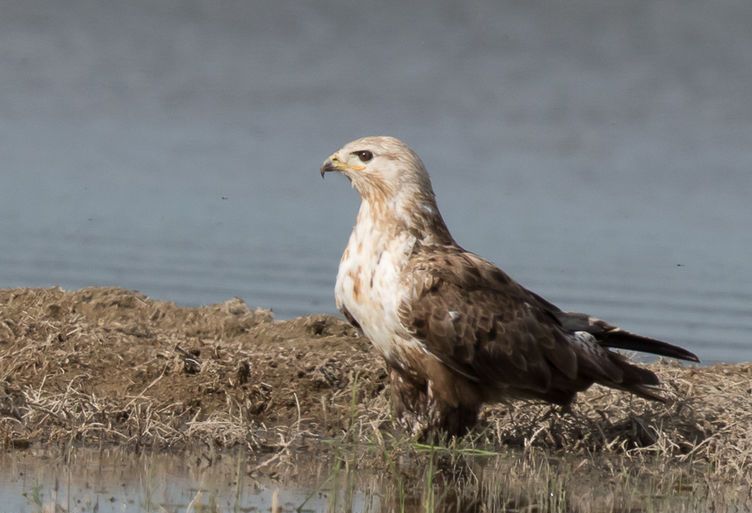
(368, 282)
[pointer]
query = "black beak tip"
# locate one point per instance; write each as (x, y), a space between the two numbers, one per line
(328, 166)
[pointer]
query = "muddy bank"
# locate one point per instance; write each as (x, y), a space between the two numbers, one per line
(110, 365)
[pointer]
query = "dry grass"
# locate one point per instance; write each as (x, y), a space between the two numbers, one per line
(108, 365)
(112, 366)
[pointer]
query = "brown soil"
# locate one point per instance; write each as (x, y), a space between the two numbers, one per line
(110, 365)
(136, 359)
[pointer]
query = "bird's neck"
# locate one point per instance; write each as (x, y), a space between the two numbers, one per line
(404, 213)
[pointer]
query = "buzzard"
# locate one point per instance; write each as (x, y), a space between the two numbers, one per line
(454, 329)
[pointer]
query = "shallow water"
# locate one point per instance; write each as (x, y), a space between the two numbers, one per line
(120, 482)
(602, 155)
(117, 481)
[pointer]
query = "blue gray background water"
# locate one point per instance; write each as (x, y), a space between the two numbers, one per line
(600, 152)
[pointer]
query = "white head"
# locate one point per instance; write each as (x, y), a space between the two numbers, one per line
(379, 165)
(390, 178)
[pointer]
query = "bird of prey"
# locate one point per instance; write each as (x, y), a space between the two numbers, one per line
(455, 330)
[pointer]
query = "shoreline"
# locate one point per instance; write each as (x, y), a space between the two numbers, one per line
(107, 365)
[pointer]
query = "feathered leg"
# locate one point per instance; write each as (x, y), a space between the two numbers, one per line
(449, 418)
(425, 414)
(410, 402)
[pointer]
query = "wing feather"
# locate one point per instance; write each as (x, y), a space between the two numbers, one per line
(479, 322)
(482, 324)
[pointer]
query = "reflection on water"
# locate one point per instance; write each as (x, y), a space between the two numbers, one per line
(600, 154)
(116, 481)
(122, 482)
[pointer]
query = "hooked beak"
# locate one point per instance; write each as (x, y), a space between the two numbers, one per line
(330, 165)
(333, 163)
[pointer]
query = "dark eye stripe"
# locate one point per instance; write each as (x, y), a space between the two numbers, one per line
(363, 155)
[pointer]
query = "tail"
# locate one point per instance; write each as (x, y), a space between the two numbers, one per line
(620, 339)
(596, 364)
(611, 336)
(637, 380)
(619, 372)
(614, 370)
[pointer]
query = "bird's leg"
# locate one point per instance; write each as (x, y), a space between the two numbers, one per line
(421, 412)
(449, 419)
(409, 400)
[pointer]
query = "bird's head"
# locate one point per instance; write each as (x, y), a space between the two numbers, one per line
(393, 184)
(380, 168)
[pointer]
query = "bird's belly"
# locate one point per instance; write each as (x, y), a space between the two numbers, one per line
(370, 292)
(370, 311)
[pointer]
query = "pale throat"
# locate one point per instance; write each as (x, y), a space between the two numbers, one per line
(384, 217)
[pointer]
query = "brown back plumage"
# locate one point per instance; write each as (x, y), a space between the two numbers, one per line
(487, 327)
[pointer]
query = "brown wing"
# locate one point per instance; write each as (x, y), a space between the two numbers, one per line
(484, 325)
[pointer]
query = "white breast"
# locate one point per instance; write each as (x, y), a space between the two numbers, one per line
(368, 283)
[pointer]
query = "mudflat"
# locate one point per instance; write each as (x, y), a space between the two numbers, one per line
(107, 365)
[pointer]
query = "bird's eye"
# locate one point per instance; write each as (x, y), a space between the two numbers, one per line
(363, 155)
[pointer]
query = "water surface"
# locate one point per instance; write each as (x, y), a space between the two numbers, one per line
(116, 481)
(601, 154)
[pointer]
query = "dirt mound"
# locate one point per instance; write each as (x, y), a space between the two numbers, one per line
(112, 365)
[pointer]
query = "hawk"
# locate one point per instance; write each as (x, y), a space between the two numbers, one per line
(455, 330)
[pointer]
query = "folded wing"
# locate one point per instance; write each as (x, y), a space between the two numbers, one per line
(486, 327)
